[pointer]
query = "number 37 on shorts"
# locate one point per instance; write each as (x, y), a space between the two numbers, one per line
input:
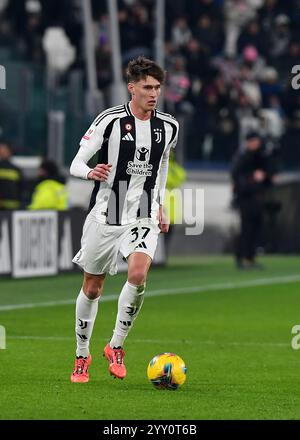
(100, 244)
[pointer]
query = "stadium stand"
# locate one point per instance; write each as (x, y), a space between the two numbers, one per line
(227, 72)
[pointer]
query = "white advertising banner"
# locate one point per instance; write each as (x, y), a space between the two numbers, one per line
(5, 257)
(35, 239)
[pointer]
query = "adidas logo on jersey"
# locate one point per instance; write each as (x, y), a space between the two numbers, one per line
(128, 137)
(141, 245)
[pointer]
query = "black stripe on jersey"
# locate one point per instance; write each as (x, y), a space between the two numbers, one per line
(167, 115)
(105, 112)
(157, 149)
(102, 158)
(127, 108)
(174, 131)
(109, 114)
(122, 178)
(174, 127)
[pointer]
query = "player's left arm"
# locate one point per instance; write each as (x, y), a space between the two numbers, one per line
(163, 221)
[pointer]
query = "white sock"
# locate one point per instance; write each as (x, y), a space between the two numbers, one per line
(86, 312)
(129, 305)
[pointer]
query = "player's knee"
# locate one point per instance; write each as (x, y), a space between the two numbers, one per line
(92, 290)
(137, 276)
(93, 285)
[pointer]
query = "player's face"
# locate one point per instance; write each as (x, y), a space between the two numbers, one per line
(145, 93)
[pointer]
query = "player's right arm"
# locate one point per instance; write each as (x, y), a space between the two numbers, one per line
(90, 143)
(100, 172)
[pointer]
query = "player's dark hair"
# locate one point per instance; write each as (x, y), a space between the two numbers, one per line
(141, 67)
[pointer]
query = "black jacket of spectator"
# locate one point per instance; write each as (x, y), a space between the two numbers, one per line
(252, 173)
(245, 163)
(10, 185)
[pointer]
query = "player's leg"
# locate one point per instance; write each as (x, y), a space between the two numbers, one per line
(129, 305)
(96, 257)
(86, 312)
(131, 297)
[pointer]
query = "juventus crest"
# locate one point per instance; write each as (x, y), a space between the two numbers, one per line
(158, 135)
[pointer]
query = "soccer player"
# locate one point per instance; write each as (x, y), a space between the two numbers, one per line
(133, 142)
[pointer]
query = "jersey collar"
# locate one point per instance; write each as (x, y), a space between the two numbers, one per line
(129, 112)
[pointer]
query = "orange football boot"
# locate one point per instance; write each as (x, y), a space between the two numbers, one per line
(115, 357)
(80, 373)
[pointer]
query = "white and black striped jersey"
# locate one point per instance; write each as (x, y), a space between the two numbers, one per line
(138, 151)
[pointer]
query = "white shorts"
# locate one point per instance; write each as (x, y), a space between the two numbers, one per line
(101, 243)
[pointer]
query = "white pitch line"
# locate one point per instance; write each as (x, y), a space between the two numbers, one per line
(41, 338)
(162, 292)
(156, 341)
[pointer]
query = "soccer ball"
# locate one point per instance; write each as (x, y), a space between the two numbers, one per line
(167, 371)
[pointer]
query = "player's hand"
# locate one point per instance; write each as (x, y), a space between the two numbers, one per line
(100, 172)
(163, 221)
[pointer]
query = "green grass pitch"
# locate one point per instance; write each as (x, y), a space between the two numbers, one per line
(232, 328)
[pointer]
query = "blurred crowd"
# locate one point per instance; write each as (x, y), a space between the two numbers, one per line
(233, 59)
(229, 62)
(46, 191)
